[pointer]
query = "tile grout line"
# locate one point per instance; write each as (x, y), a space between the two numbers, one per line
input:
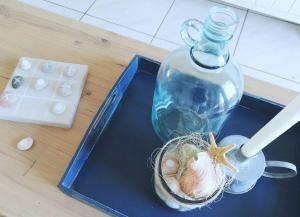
(162, 21)
(253, 11)
(126, 27)
(241, 32)
(272, 17)
(227, 4)
(53, 3)
(166, 40)
(87, 10)
(291, 6)
(268, 73)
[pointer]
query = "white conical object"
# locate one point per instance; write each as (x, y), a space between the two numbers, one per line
(70, 71)
(40, 84)
(25, 144)
(59, 108)
(25, 64)
(65, 89)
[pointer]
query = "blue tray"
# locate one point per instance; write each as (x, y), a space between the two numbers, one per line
(110, 171)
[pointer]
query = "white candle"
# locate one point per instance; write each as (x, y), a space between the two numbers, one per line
(284, 120)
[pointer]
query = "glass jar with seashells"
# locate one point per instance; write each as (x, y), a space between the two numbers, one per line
(190, 173)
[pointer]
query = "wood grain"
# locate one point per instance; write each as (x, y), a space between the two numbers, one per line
(28, 180)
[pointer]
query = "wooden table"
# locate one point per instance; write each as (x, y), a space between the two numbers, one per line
(28, 180)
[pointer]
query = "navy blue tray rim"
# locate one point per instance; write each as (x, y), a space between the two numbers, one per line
(113, 98)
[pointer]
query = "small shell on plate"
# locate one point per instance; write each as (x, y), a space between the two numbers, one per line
(17, 81)
(8, 99)
(25, 144)
(40, 84)
(59, 108)
(70, 71)
(25, 64)
(49, 67)
(65, 89)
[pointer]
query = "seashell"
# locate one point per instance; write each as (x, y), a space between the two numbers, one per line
(25, 64)
(49, 67)
(59, 108)
(8, 99)
(201, 178)
(187, 152)
(25, 144)
(17, 81)
(70, 71)
(170, 164)
(40, 84)
(65, 89)
(173, 184)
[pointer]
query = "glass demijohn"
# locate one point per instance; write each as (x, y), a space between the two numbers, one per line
(198, 85)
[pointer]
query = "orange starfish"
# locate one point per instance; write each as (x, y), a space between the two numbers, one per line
(218, 153)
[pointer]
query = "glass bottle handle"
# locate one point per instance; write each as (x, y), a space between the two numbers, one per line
(187, 26)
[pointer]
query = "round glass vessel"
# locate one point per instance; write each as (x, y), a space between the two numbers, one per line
(198, 85)
(165, 193)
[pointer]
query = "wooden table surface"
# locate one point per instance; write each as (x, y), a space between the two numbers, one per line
(28, 180)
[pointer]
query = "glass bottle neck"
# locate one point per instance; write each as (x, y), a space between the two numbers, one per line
(211, 50)
(210, 54)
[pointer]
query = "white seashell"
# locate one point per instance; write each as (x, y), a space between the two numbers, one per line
(65, 89)
(173, 184)
(170, 164)
(25, 64)
(201, 178)
(25, 144)
(59, 108)
(49, 67)
(8, 99)
(40, 84)
(70, 71)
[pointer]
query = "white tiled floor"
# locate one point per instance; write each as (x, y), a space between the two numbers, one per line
(271, 46)
(116, 28)
(79, 5)
(55, 8)
(141, 15)
(267, 49)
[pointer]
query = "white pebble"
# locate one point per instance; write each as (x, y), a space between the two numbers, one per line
(65, 89)
(8, 99)
(25, 144)
(59, 108)
(49, 67)
(40, 84)
(70, 71)
(170, 163)
(25, 64)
